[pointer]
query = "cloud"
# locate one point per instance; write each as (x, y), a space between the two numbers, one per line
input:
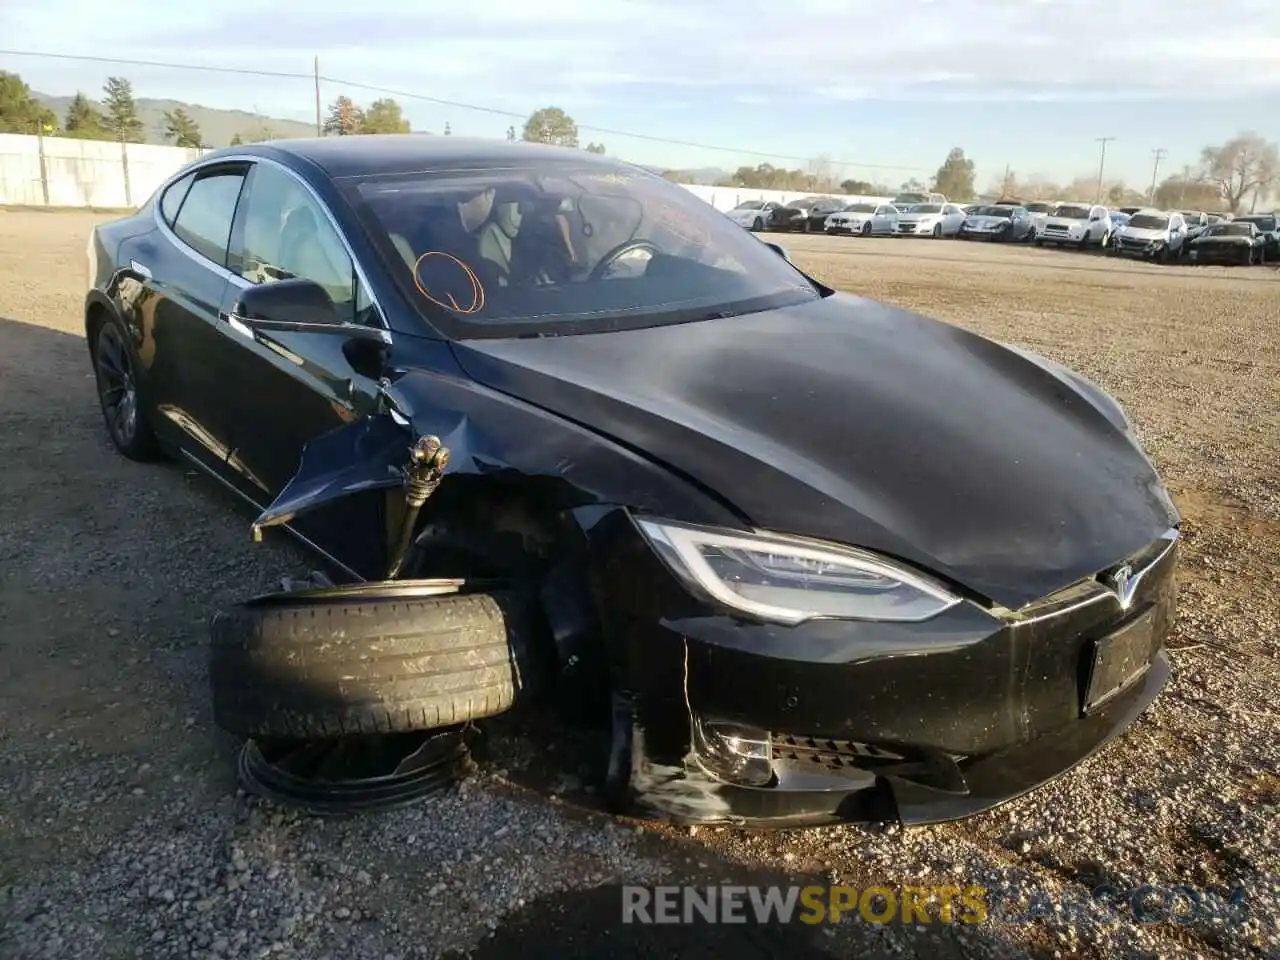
(510, 54)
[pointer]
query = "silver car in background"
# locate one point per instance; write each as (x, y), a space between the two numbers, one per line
(754, 214)
(935, 220)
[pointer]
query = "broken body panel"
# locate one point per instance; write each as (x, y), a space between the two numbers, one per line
(862, 720)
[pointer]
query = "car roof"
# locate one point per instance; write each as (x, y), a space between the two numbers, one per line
(375, 154)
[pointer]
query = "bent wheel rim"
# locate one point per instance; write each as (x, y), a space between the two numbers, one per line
(117, 387)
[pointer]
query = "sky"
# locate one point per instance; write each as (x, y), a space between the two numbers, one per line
(880, 88)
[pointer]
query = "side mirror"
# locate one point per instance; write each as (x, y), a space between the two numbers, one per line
(300, 306)
(779, 249)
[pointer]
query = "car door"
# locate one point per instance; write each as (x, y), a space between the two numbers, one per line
(952, 217)
(882, 222)
(187, 354)
(297, 385)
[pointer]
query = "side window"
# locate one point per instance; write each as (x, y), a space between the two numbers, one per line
(173, 197)
(286, 235)
(204, 221)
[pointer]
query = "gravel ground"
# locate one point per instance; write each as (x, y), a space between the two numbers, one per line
(124, 835)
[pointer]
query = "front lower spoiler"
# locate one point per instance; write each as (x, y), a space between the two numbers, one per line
(690, 795)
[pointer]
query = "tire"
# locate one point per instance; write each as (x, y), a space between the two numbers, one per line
(1039, 242)
(807, 227)
(866, 229)
(124, 409)
(758, 225)
(937, 231)
(376, 658)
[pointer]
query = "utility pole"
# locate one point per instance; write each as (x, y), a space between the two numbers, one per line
(1182, 186)
(1102, 163)
(315, 66)
(1159, 153)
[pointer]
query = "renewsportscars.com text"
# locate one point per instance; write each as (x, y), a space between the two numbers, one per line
(919, 904)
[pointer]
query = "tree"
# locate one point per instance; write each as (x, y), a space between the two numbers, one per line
(511, 133)
(1246, 164)
(551, 125)
(345, 118)
(84, 119)
(1187, 193)
(384, 116)
(120, 112)
(673, 176)
(914, 185)
(595, 147)
(954, 178)
(181, 129)
(235, 140)
(859, 188)
(20, 111)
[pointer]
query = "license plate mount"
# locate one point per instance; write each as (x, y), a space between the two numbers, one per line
(1118, 659)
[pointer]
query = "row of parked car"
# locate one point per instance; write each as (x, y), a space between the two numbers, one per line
(1150, 233)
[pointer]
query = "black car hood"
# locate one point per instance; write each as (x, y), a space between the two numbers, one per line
(846, 420)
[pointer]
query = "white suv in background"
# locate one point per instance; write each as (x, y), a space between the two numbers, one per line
(1079, 224)
(1151, 234)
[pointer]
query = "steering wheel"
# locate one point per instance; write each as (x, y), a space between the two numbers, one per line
(617, 253)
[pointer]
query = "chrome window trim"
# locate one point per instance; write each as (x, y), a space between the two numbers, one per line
(234, 277)
(1103, 592)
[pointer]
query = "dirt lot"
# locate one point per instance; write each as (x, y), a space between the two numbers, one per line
(123, 834)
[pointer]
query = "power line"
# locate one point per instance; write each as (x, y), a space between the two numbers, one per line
(458, 104)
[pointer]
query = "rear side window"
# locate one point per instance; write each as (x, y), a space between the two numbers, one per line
(171, 202)
(204, 221)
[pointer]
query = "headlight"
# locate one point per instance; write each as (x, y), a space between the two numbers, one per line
(790, 580)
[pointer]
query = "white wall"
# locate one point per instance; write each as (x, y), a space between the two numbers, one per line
(83, 173)
(726, 198)
(91, 173)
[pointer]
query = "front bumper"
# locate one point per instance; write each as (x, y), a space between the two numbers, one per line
(848, 228)
(1145, 249)
(1221, 253)
(969, 233)
(864, 722)
(915, 229)
(1060, 237)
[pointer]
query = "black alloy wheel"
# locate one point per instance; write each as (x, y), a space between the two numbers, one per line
(118, 394)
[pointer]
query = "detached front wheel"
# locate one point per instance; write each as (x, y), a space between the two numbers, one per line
(373, 658)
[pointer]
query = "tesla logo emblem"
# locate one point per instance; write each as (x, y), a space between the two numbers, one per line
(1123, 584)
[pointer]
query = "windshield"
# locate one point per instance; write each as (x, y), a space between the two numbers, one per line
(1263, 223)
(991, 211)
(1234, 229)
(1037, 208)
(1191, 215)
(566, 248)
(750, 205)
(860, 208)
(926, 208)
(1148, 221)
(909, 198)
(1069, 212)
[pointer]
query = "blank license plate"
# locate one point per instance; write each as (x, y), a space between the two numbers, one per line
(1119, 659)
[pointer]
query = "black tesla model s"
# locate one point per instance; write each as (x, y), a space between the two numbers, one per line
(819, 558)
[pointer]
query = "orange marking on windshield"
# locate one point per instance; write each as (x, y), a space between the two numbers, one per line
(463, 272)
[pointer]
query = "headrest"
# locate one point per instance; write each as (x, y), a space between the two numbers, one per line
(507, 216)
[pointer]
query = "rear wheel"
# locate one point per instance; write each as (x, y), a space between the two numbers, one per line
(118, 394)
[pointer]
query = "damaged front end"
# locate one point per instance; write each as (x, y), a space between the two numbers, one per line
(721, 718)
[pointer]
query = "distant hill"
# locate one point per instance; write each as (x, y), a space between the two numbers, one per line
(704, 175)
(217, 127)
